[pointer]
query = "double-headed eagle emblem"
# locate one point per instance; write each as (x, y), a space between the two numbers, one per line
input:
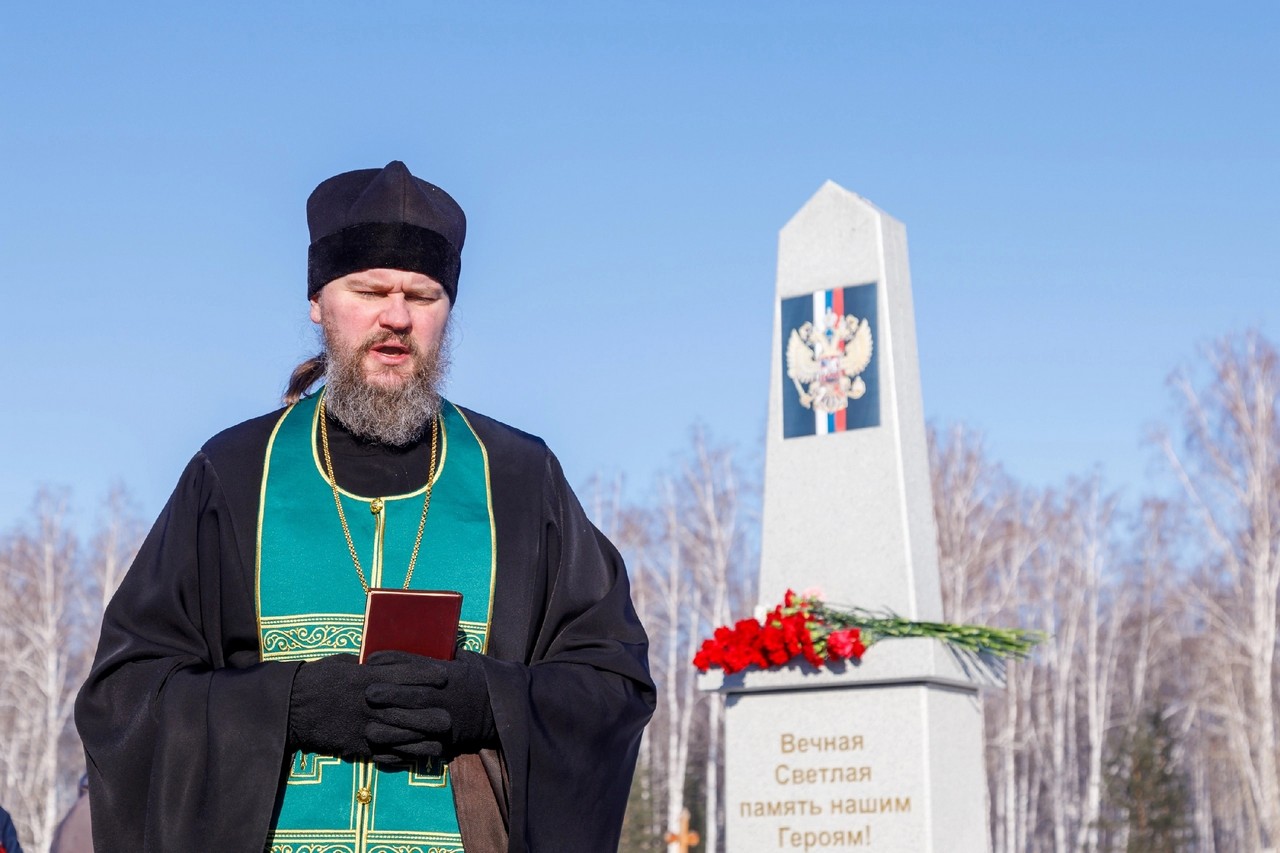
(824, 363)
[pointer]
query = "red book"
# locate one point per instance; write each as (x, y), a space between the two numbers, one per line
(421, 621)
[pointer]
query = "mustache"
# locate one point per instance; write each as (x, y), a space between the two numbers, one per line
(376, 339)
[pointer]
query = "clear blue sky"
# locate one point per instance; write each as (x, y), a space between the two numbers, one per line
(1091, 190)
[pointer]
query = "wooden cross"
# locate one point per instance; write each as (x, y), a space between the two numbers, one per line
(685, 837)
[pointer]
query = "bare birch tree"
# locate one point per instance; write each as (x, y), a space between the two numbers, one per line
(692, 568)
(681, 602)
(51, 598)
(1229, 468)
(114, 545)
(988, 533)
(43, 608)
(714, 538)
(1020, 557)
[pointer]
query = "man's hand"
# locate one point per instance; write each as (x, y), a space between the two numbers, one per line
(425, 708)
(328, 712)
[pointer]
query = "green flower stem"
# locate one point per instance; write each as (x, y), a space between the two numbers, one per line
(1001, 642)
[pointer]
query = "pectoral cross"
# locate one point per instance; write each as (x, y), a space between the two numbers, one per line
(685, 838)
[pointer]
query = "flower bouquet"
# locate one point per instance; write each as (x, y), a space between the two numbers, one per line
(804, 626)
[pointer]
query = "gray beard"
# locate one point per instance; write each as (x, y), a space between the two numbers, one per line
(396, 415)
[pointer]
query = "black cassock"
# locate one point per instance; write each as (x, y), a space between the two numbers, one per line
(184, 727)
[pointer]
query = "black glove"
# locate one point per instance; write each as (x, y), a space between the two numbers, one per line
(425, 708)
(328, 713)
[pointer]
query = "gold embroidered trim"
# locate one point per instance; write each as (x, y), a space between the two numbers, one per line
(308, 768)
(303, 841)
(310, 635)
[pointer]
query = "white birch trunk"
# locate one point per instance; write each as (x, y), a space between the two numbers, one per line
(1230, 473)
(681, 603)
(43, 676)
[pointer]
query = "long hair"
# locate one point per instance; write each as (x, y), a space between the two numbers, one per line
(303, 377)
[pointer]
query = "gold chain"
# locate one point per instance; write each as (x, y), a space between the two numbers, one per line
(377, 504)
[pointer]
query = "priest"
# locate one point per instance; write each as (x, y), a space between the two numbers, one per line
(227, 708)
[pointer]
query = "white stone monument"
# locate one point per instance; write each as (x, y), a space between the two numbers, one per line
(886, 754)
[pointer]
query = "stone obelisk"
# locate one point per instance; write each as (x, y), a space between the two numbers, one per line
(886, 754)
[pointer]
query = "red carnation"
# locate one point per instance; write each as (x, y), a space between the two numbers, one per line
(773, 642)
(807, 649)
(796, 630)
(845, 644)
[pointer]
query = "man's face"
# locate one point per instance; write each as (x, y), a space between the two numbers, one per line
(385, 316)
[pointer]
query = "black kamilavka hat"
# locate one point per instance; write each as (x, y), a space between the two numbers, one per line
(386, 217)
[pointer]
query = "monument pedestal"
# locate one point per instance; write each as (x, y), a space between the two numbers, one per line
(882, 755)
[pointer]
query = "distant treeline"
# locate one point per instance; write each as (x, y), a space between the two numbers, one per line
(1146, 722)
(1148, 719)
